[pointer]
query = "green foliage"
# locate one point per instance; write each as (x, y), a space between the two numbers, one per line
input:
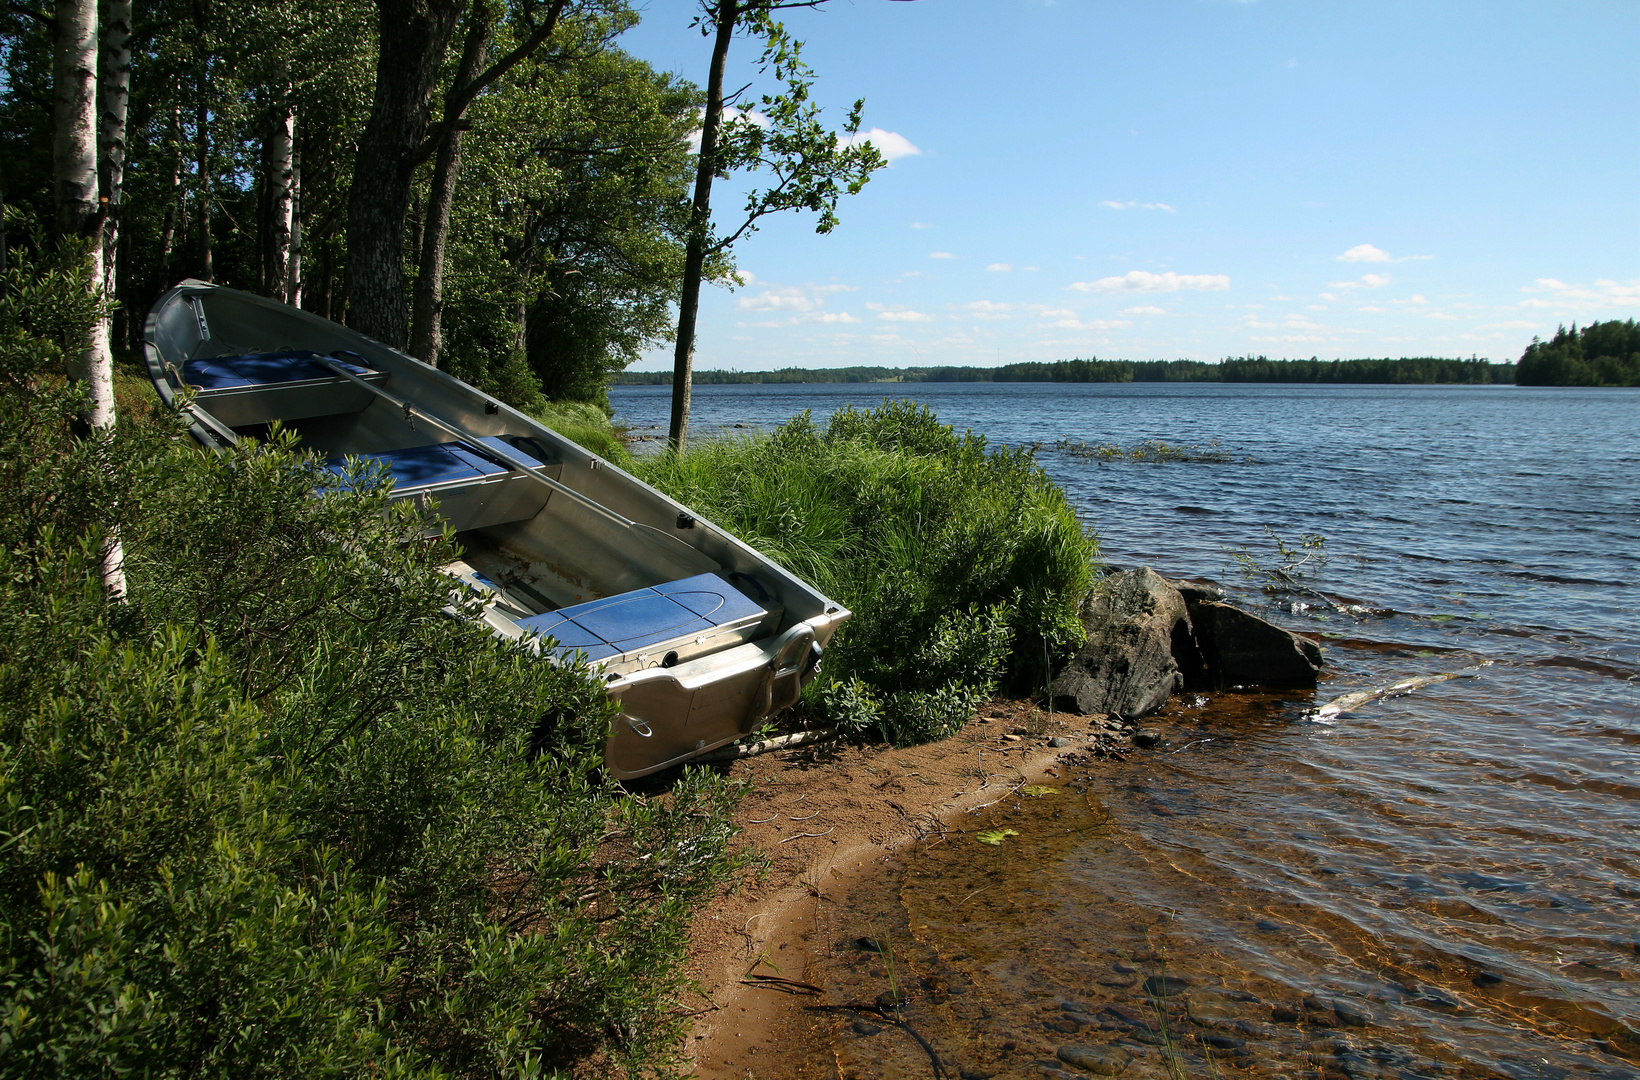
(279, 814)
(1601, 354)
(1283, 569)
(963, 565)
(564, 249)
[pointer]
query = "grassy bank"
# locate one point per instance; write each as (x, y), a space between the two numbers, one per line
(278, 814)
(963, 564)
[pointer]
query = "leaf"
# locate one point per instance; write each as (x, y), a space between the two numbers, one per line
(1039, 790)
(994, 837)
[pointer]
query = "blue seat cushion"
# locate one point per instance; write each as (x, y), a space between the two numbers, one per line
(259, 369)
(618, 624)
(439, 463)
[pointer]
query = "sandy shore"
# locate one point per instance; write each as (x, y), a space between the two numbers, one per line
(825, 818)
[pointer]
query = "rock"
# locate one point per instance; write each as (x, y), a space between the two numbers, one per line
(1196, 592)
(1066, 1026)
(1165, 985)
(1099, 1060)
(968, 1072)
(1147, 737)
(1225, 1009)
(1118, 982)
(1127, 664)
(1238, 649)
(861, 1027)
(1059, 741)
(1225, 1042)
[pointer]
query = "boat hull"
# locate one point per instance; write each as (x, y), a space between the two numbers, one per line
(553, 536)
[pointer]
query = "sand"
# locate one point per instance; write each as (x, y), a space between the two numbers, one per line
(825, 818)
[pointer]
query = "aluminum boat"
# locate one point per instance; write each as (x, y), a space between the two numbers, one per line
(696, 635)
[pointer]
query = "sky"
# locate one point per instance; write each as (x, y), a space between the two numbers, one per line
(1191, 179)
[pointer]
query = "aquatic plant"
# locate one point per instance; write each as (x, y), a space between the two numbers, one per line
(963, 564)
(1147, 450)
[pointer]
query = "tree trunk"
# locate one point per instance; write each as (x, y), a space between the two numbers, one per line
(426, 335)
(293, 269)
(5, 252)
(202, 207)
(700, 222)
(80, 221)
(115, 92)
(413, 36)
(173, 204)
(280, 177)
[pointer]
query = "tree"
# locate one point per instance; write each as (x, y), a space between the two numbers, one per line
(80, 215)
(810, 166)
(567, 236)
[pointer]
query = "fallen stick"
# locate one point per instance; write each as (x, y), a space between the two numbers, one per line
(781, 742)
(1352, 701)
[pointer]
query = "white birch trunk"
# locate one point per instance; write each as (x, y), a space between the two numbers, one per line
(281, 149)
(116, 96)
(80, 219)
(293, 270)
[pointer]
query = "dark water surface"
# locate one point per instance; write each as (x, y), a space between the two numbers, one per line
(1457, 870)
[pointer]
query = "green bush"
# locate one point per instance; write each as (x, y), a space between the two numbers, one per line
(279, 814)
(963, 565)
(585, 424)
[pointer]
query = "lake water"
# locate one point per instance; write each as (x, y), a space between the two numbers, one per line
(1442, 883)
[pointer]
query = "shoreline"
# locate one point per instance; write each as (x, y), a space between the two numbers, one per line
(827, 818)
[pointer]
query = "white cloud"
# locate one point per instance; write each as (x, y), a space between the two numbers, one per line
(940, 255)
(1097, 324)
(789, 298)
(891, 144)
(921, 225)
(1318, 307)
(1145, 281)
(1001, 267)
(1603, 294)
(831, 317)
(1371, 309)
(1029, 269)
(1143, 311)
(1329, 297)
(730, 115)
(1440, 315)
(986, 309)
(899, 314)
(1368, 253)
(1368, 281)
(1054, 312)
(1115, 204)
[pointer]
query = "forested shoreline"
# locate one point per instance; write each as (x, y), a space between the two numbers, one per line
(1245, 369)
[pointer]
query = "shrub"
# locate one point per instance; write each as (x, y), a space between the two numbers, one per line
(963, 565)
(278, 813)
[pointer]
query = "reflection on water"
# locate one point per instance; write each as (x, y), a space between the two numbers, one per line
(1441, 884)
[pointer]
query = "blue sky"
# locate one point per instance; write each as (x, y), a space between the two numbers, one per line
(1194, 179)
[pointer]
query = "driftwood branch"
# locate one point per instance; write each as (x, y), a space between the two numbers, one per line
(782, 742)
(1352, 701)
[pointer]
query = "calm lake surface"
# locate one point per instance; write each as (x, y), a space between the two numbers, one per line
(1457, 869)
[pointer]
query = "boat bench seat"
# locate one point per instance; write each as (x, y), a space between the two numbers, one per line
(474, 489)
(688, 616)
(291, 384)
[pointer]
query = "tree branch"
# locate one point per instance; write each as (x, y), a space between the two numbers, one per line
(456, 105)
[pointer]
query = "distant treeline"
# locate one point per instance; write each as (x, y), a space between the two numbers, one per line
(1601, 354)
(1246, 369)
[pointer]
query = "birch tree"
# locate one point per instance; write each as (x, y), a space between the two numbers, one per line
(80, 216)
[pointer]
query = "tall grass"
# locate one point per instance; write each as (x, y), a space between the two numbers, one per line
(963, 564)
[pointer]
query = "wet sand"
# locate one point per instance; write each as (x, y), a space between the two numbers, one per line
(828, 819)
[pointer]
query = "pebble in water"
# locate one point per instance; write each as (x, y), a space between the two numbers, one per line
(1099, 1060)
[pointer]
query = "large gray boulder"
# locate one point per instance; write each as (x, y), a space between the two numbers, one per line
(1238, 649)
(1127, 665)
